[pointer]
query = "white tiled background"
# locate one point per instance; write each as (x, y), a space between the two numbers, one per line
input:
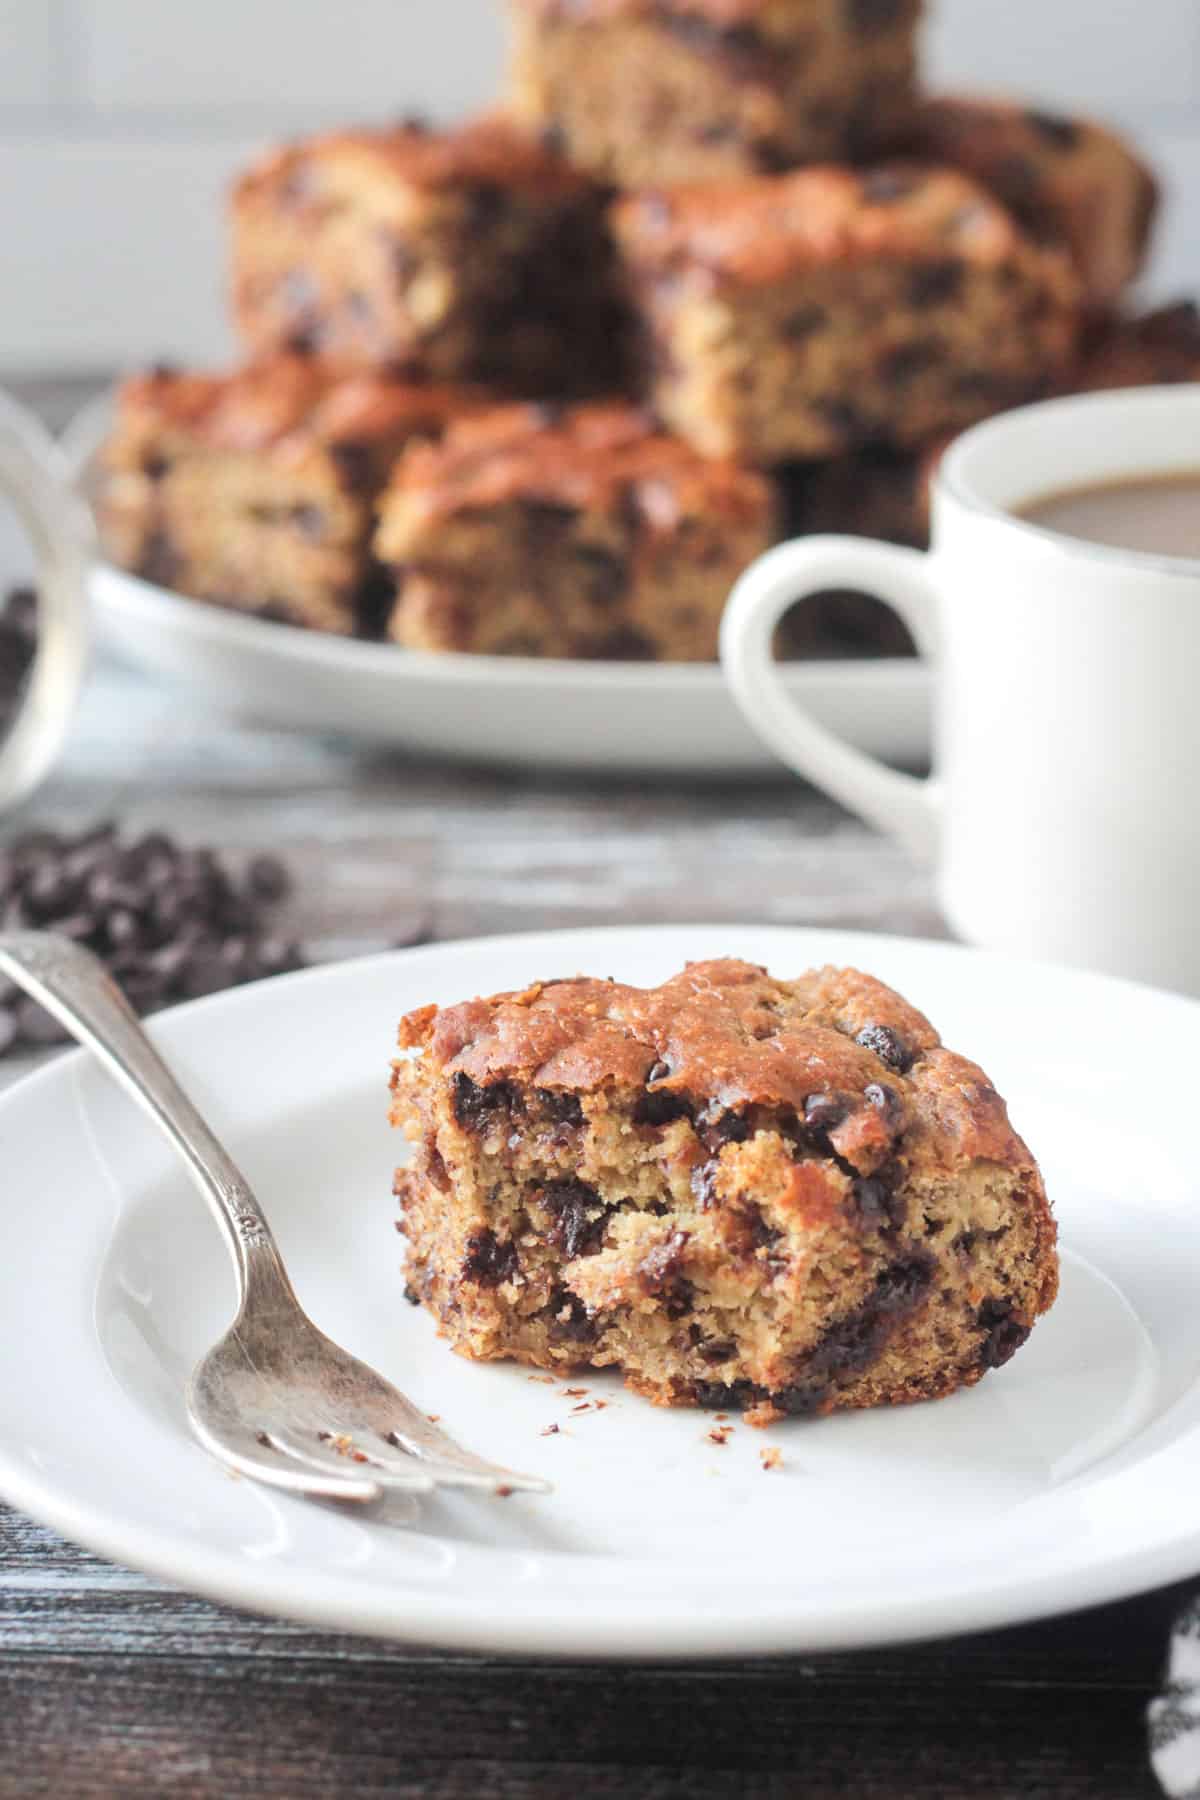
(121, 121)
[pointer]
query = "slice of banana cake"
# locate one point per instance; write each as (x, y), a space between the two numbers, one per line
(783, 1196)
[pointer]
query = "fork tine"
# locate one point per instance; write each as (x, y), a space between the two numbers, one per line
(452, 1466)
(244, 1453)
(317, 1453)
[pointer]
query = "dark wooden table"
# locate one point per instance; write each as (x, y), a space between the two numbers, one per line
(112, 1684)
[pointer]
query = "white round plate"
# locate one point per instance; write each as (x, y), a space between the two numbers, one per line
(523, 711)
(1068, 1477)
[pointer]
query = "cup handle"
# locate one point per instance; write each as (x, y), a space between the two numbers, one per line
(35, 480)
(905, 806)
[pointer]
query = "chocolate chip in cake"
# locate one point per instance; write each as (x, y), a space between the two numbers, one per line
(579, 1217)
(887, 1045)
(903, 362)
(560, 1107)
(1004, 1333)
(570, 1320)
(877, 1201)
(886, 1102)
(721, 1125)
(882, 187)
(661, 1275)
(474, 1104)
(824, 1112)
(1062, 133)
(489, 1261)
(660, 1106)
(804, 321)
(354, 464)
(605, 573)
(865, 16)
(727, 1396)
(935, 283)
(852, 1343)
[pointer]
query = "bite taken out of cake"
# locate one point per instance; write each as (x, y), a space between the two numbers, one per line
(780, 1196)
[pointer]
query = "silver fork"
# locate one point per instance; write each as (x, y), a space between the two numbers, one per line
(276, 1399)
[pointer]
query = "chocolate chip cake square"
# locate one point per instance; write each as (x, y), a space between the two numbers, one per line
(472, 254)
(579, 532)
(780, 1196)
(803, 315)
(663, 92)
(1159, 348)
(1065, 180)
(256, 489)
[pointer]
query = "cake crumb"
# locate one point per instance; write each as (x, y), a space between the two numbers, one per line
(434, 1418)
(574, 1393)
(719, 1434)
(771, 1457)
(551, 1430)
(586, 1406)
(544, 1380)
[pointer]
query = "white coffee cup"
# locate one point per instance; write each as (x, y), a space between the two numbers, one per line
(1063, 814)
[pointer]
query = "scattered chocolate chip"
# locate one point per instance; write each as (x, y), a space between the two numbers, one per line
(717, 1350)
(169, 923)
(1062, 133)
(267, 878)
(36, 1026)
(888, 1046)
(411, 1295)
(489, 1261)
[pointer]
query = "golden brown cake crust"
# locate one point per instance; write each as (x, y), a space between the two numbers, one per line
(264, 405)
(587, 457)
(589, 533)
(1067, 180)
(732, 1034)
(781, 1196)
(1149, 349)
(755, 232)
(486, 152)
(255, 488)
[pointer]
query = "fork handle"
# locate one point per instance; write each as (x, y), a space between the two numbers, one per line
(73, 984)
